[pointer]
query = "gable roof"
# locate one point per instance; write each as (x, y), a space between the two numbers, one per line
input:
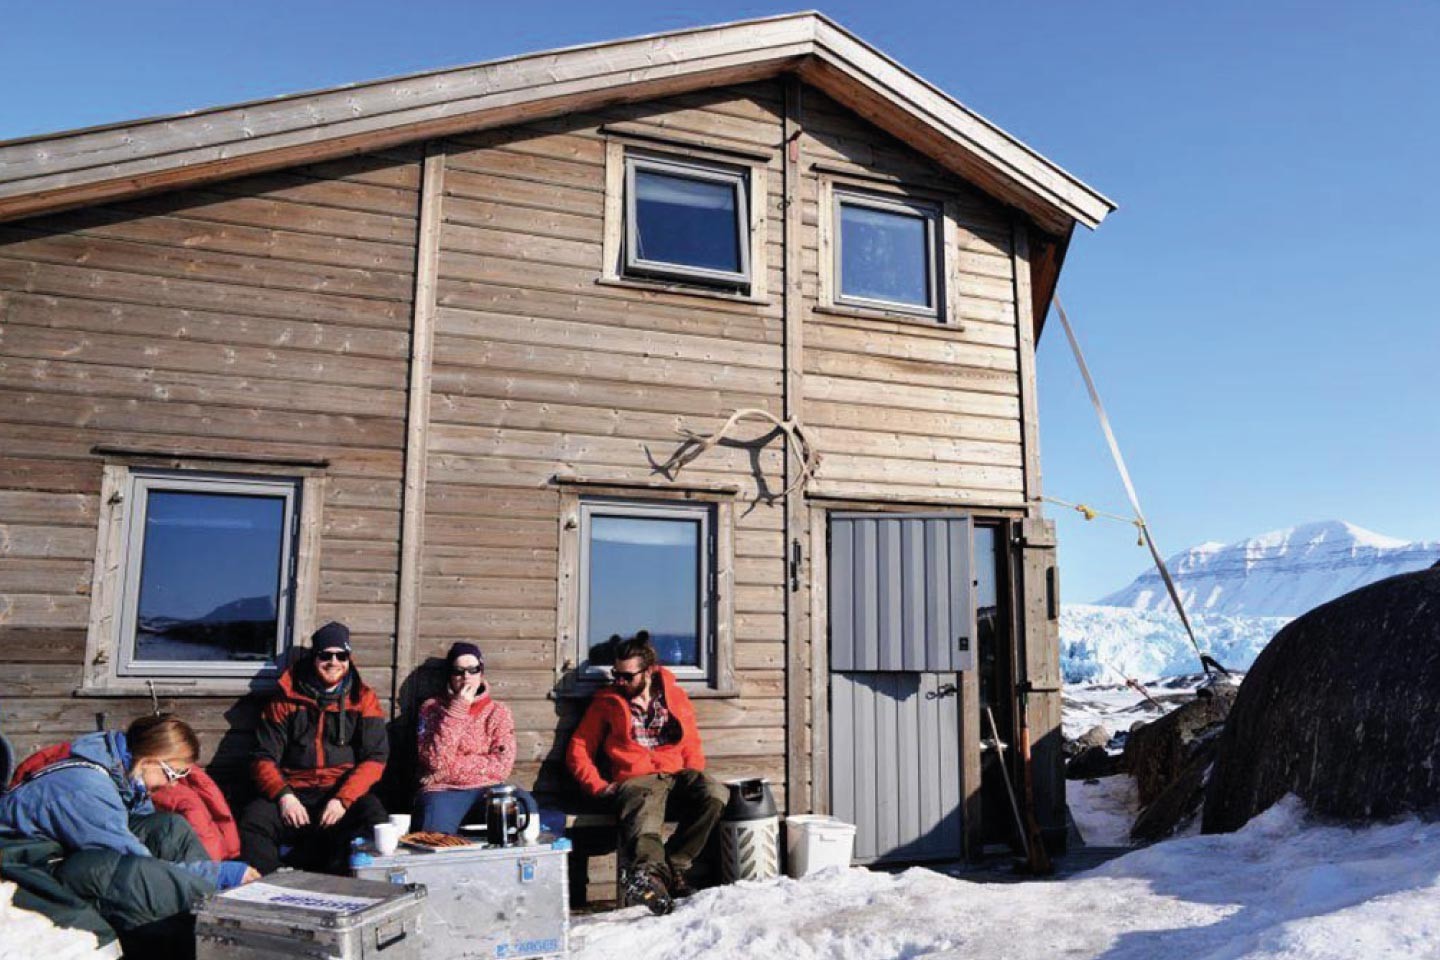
(78, 167)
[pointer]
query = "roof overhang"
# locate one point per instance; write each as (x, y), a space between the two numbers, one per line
(81, 167)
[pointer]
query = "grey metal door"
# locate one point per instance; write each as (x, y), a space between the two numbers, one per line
(901, 617)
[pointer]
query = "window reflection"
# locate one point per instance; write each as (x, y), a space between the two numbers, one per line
(884, 255)
(686, 221)
(209, 577)
(644, 574)
(987, 619)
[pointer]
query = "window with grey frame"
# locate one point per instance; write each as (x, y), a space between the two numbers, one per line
(887, 253)
(208, 575)
(647, 566)
(687, 221)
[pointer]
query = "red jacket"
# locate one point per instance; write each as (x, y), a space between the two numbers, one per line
(195, 797)
(198, 799)
(606, 734)
(300, 746)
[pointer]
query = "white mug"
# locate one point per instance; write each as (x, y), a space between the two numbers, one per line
(387, 838)
(401, 822)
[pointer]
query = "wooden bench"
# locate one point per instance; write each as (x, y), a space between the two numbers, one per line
(595, 865)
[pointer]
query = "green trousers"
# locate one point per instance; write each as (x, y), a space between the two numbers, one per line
(692, 798)
(145, 899)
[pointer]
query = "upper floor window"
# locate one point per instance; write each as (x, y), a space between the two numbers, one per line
(885, 253)
(208, 573)
(686, 220)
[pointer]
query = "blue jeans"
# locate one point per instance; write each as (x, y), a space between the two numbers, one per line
(442, 811)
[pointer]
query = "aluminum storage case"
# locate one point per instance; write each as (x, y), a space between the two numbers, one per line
(499, 903)
(310, 915)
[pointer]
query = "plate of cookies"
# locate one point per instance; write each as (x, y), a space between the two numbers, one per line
(432, 842)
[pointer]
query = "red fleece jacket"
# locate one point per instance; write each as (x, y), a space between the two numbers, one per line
(606, 734)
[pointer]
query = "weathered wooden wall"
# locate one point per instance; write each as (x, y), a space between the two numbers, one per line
(268, 316)
(539, 370)
(913, 409)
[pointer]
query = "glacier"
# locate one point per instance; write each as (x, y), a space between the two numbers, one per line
(1100, 644)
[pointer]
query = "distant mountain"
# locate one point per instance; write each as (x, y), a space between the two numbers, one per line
(1278, 574)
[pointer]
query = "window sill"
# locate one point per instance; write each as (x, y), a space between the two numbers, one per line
(688, 290)
(584, 691)
(171, 690)
(929, 321)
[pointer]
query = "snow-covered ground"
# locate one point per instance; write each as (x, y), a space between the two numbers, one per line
(1281, 888)
(1104, 809)
(25, 935)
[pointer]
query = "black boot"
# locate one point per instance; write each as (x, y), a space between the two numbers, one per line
(646, 887)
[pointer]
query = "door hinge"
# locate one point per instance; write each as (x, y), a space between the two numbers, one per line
(794, 565)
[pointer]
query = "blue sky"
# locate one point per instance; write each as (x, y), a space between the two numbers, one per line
(1257, 311)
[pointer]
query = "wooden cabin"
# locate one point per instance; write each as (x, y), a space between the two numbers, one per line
(432, 355)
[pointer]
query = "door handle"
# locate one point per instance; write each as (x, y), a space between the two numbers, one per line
(946, 690)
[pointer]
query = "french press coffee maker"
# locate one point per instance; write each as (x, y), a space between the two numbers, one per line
(505, 816)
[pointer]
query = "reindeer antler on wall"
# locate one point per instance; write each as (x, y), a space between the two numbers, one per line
(806, 456)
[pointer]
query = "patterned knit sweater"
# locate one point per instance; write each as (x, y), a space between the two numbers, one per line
(462, 749)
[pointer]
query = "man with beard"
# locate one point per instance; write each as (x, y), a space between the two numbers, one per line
(642, 730)
(322, 748)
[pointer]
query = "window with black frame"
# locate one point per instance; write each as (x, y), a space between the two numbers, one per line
(208, 575)
(885, 253)
(687, 221)
(646, 566)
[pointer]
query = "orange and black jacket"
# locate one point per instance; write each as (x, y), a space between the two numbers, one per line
(341, 746)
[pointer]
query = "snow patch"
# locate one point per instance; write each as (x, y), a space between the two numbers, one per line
(1104, 809)
(28, 934)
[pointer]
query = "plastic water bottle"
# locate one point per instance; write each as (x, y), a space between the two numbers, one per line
(359, 856)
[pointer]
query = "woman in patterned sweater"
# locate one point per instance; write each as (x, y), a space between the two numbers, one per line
(467, 746)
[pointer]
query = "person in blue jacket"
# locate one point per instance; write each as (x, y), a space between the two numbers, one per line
(141, 869)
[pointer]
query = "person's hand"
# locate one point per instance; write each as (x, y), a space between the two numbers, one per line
(332, 813)
(293, 812)
(469, 691)
(251, 875)
(610, 790)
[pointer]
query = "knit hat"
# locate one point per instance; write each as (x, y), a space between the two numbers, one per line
(332, 636)
(460, 648)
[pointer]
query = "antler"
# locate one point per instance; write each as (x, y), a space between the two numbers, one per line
(806, 456)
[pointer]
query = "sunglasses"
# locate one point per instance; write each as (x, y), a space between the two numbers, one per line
(465, 671)
(625, 675)
(339, 655)
(171, 774)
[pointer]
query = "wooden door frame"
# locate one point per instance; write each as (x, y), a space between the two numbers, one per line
(819, 641)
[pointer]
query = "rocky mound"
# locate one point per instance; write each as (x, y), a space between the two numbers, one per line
(1342, 708)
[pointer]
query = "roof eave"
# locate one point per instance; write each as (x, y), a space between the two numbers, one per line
(82, 167)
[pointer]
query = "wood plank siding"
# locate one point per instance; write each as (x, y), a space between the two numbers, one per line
(267, 317)
(272, 317)
(899, 407)
(539, 370)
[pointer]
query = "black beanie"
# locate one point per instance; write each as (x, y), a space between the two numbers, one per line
(330, 637)
(460, 648)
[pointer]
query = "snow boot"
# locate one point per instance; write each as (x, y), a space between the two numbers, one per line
(679, 886)
(646, 887)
